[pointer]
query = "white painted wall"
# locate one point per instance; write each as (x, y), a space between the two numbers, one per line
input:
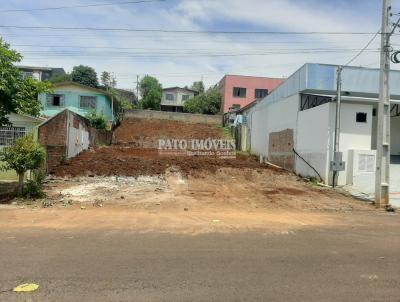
(78, 139)
(313, 138)
(353, 135)
(272, 117)
(178, 94)
(361, 167)
(313, 131)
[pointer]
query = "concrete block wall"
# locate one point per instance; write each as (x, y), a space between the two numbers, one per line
(280, 149)
(175, 116)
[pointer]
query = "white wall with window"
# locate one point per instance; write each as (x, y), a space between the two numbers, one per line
(176, 96)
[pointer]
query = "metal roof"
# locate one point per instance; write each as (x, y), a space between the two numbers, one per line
(321, 79)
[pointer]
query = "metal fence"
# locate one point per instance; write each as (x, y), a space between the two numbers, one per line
(8, 135)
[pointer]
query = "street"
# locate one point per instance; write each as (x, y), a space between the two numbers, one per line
(354, 259)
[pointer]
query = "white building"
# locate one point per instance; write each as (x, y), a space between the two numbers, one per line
(299, 116)
(174, 98)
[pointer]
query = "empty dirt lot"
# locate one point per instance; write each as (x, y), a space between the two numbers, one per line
(124, 223)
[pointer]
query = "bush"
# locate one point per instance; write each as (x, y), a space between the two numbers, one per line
(25, 154)
(34, 187)
(204, 103)
(96, 120)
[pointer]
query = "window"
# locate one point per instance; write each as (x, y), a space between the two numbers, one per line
(27, 74)
(88, 102)
(169, 97)
(8, 135)
(239, 92)
(361, 117)
(260, 93)
(185, 97)
(55, 100)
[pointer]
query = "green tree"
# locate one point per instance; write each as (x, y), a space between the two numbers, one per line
(96, 120)
(85, 75)
(198, 86)
(25, 154)
(59, 78)
(16, 93)
(151, 91)
(108, 80)
(120, 106)
(205, 103)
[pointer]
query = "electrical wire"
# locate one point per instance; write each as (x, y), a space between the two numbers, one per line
(78, 6)
(186, 31)
(363, 49)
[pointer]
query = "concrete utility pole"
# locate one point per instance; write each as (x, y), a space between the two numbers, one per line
(336, 155)
(383, 132)
(137, 87)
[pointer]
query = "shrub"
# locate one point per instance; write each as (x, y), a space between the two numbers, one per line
(34, 187)
(25, 154)
(96, 120)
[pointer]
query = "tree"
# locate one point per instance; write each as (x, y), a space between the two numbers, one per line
(198, 86)
(108, 80)
(96, 120)
(205, 103)
(151, 91)
(85, 75)
(59, 78)
(25, 154)
(120, 106)
(17, 94)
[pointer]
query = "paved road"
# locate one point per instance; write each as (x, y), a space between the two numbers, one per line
(360, 263)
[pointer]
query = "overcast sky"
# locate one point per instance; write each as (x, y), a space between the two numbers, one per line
(178, 59)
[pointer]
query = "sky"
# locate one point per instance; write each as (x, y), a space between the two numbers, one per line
(179, 58)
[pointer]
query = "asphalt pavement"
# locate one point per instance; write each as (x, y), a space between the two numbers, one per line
(340, 263)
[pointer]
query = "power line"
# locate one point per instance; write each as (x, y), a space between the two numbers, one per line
(364, 49)
(187, 31)
(184, 49)
(78, 6)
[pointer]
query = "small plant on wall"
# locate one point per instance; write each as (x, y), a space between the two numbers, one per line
(24, 155)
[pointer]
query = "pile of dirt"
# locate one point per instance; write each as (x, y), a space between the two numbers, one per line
(145, 133)
(125, 161)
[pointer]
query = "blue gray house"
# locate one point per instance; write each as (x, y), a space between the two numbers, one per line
(78, 98)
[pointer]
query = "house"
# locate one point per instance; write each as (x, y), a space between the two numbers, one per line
(294, 126)
(41, 73)
(66, 134)
(78, 98)
(20, 125)
(174, 98)
(238, 91)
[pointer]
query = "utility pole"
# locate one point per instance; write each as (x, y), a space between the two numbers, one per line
(337, 164)
(383, 131)
(137, 87)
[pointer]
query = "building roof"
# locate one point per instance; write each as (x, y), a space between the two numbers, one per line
(174, 88)
(248, 76)
(65, 109)
(40, 68)
(27, 116)
(247, 107)
(321, 79)
(69, 83)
